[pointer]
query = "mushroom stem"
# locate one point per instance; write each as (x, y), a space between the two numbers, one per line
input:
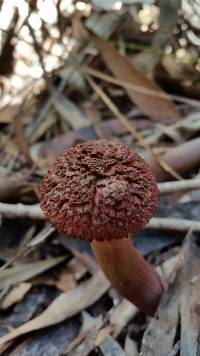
(129, 273)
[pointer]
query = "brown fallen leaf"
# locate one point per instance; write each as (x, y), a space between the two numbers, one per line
(182, 158)
(64, 306)
(12, 187)
(155, 107)
(20, 137)
(7, 113)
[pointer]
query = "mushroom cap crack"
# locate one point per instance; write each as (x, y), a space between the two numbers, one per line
(99, 190)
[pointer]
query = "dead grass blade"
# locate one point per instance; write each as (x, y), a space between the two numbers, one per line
(156, 107)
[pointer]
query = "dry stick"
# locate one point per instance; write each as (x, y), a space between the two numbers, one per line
(182, 185)
(153, 138)
(184, 158)
(130, 127)
(116, 112)
(34, 212)
(21, 211)
(140, 89)
(173, 224)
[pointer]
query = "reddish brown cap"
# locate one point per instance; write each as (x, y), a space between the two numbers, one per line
(99, 190)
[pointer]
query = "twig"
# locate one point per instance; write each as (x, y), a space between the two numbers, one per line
(173, 224)
(178, 186)
(34, 212)
(140, 89)
(184, 158)
(153, 138)
(21, 211)
(118, 113)
(130, 127)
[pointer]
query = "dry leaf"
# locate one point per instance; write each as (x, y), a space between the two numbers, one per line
(16, 294)
(42, 236)
(77, 268)
(130, 347)
(119, 317)
(103, 24)
(21, 273)
(12, 187)
(86, 260)
(78, 31)
(154, 106)
(20, 137)
(178, 309)
(7, 113)
(64, 306)
(83, 343)
(70, 112)
(65, 281)
(110, 347)
(168, 21)
(43, 127)
(182, 158)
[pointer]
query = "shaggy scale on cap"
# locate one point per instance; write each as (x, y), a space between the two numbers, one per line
(99, 190)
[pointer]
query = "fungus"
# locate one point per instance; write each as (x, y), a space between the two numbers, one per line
(102, 191)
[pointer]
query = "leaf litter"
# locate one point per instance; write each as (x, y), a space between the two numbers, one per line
(145, 66)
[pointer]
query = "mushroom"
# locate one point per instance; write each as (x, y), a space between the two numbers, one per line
(102, 191)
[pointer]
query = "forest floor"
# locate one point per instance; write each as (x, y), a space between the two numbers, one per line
(130, 75)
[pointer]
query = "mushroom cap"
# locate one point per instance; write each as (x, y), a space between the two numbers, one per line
(99, 190)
